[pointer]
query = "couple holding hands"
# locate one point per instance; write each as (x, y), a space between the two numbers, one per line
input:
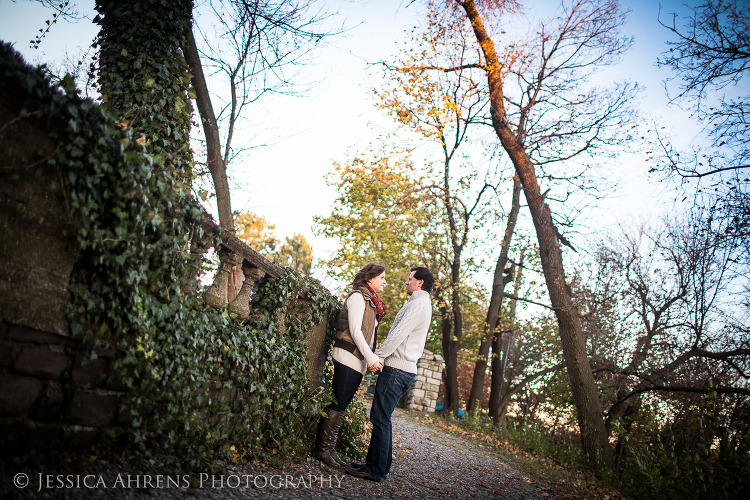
(395, 359)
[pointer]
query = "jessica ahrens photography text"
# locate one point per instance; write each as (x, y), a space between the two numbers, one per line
(185, 481)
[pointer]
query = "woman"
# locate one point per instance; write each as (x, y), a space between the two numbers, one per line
(356, 335)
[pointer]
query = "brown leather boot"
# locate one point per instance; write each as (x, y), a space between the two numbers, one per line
(325, 443)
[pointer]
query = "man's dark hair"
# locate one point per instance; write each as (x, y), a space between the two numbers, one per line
(424, 274)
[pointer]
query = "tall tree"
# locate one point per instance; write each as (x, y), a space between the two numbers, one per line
(502, 276)
(444, 110)
(663, 314)
(381, 215)
(710, 57)
(586, 37)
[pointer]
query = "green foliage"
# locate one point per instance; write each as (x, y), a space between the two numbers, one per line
(354, 436)
(668, 467)
(381, 216)
(143, 75)
(196, 382)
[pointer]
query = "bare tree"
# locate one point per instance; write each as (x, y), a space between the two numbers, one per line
(711, 54)
(260, 44)
(445, 109)
(585, 37)
(664, 315)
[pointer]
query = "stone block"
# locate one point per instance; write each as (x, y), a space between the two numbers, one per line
(225, 395)
(40, 361)
(438, 358)
(17, 394)
(418, 393)
(93, 409)
(88, 372)
(49, 403)
(431, 395)
(7, 353)
(36, 258)
(25, 334)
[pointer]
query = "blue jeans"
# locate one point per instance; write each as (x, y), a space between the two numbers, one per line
(392, 385)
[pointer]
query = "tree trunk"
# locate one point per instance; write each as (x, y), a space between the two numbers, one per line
(216, 164)
(450, 354)
(493, 312)
(499, 363)
(141, 73)
(594, 440)
(456, 340)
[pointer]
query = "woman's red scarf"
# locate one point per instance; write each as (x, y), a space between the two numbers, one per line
(380, 307)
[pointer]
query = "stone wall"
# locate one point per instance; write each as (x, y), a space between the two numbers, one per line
(422, 396)
(48, 397)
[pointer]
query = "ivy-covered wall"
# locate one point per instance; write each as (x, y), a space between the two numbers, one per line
(142, 360)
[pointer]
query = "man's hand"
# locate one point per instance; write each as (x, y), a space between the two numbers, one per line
(375, 367)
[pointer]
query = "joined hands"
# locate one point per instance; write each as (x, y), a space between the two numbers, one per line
(375, 367)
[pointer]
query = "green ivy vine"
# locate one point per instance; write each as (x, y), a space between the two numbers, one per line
(143, 74)
(197, 384)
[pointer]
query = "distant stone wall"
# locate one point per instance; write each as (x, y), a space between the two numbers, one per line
(422, 396)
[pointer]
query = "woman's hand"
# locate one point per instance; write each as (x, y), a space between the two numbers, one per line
(375, 367)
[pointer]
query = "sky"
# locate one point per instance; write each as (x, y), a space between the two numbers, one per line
(285, 180)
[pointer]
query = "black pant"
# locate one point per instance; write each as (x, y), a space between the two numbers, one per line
(345, 383)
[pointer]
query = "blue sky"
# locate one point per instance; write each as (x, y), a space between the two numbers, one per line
(285, 183)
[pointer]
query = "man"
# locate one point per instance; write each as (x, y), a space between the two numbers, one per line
(399, 354)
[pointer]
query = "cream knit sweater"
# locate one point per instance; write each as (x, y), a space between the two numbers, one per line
(405, 342)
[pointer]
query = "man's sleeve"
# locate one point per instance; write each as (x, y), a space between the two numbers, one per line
(401, 331)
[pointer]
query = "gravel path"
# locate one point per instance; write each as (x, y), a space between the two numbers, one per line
(428, 464)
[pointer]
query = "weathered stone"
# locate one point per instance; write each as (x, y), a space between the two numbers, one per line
(89, 371)
(418, 393)
(17, 394)
(25, 334)
(225, 395)
(241, 303)
(40, 361)
(7, 353)
(35, 258)
(93, 409)
(316, 354)
(49, 403)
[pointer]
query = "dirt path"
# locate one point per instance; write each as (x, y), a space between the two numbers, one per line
(428, 464)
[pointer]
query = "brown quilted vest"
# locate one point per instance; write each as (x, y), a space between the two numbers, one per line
(343, 335)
